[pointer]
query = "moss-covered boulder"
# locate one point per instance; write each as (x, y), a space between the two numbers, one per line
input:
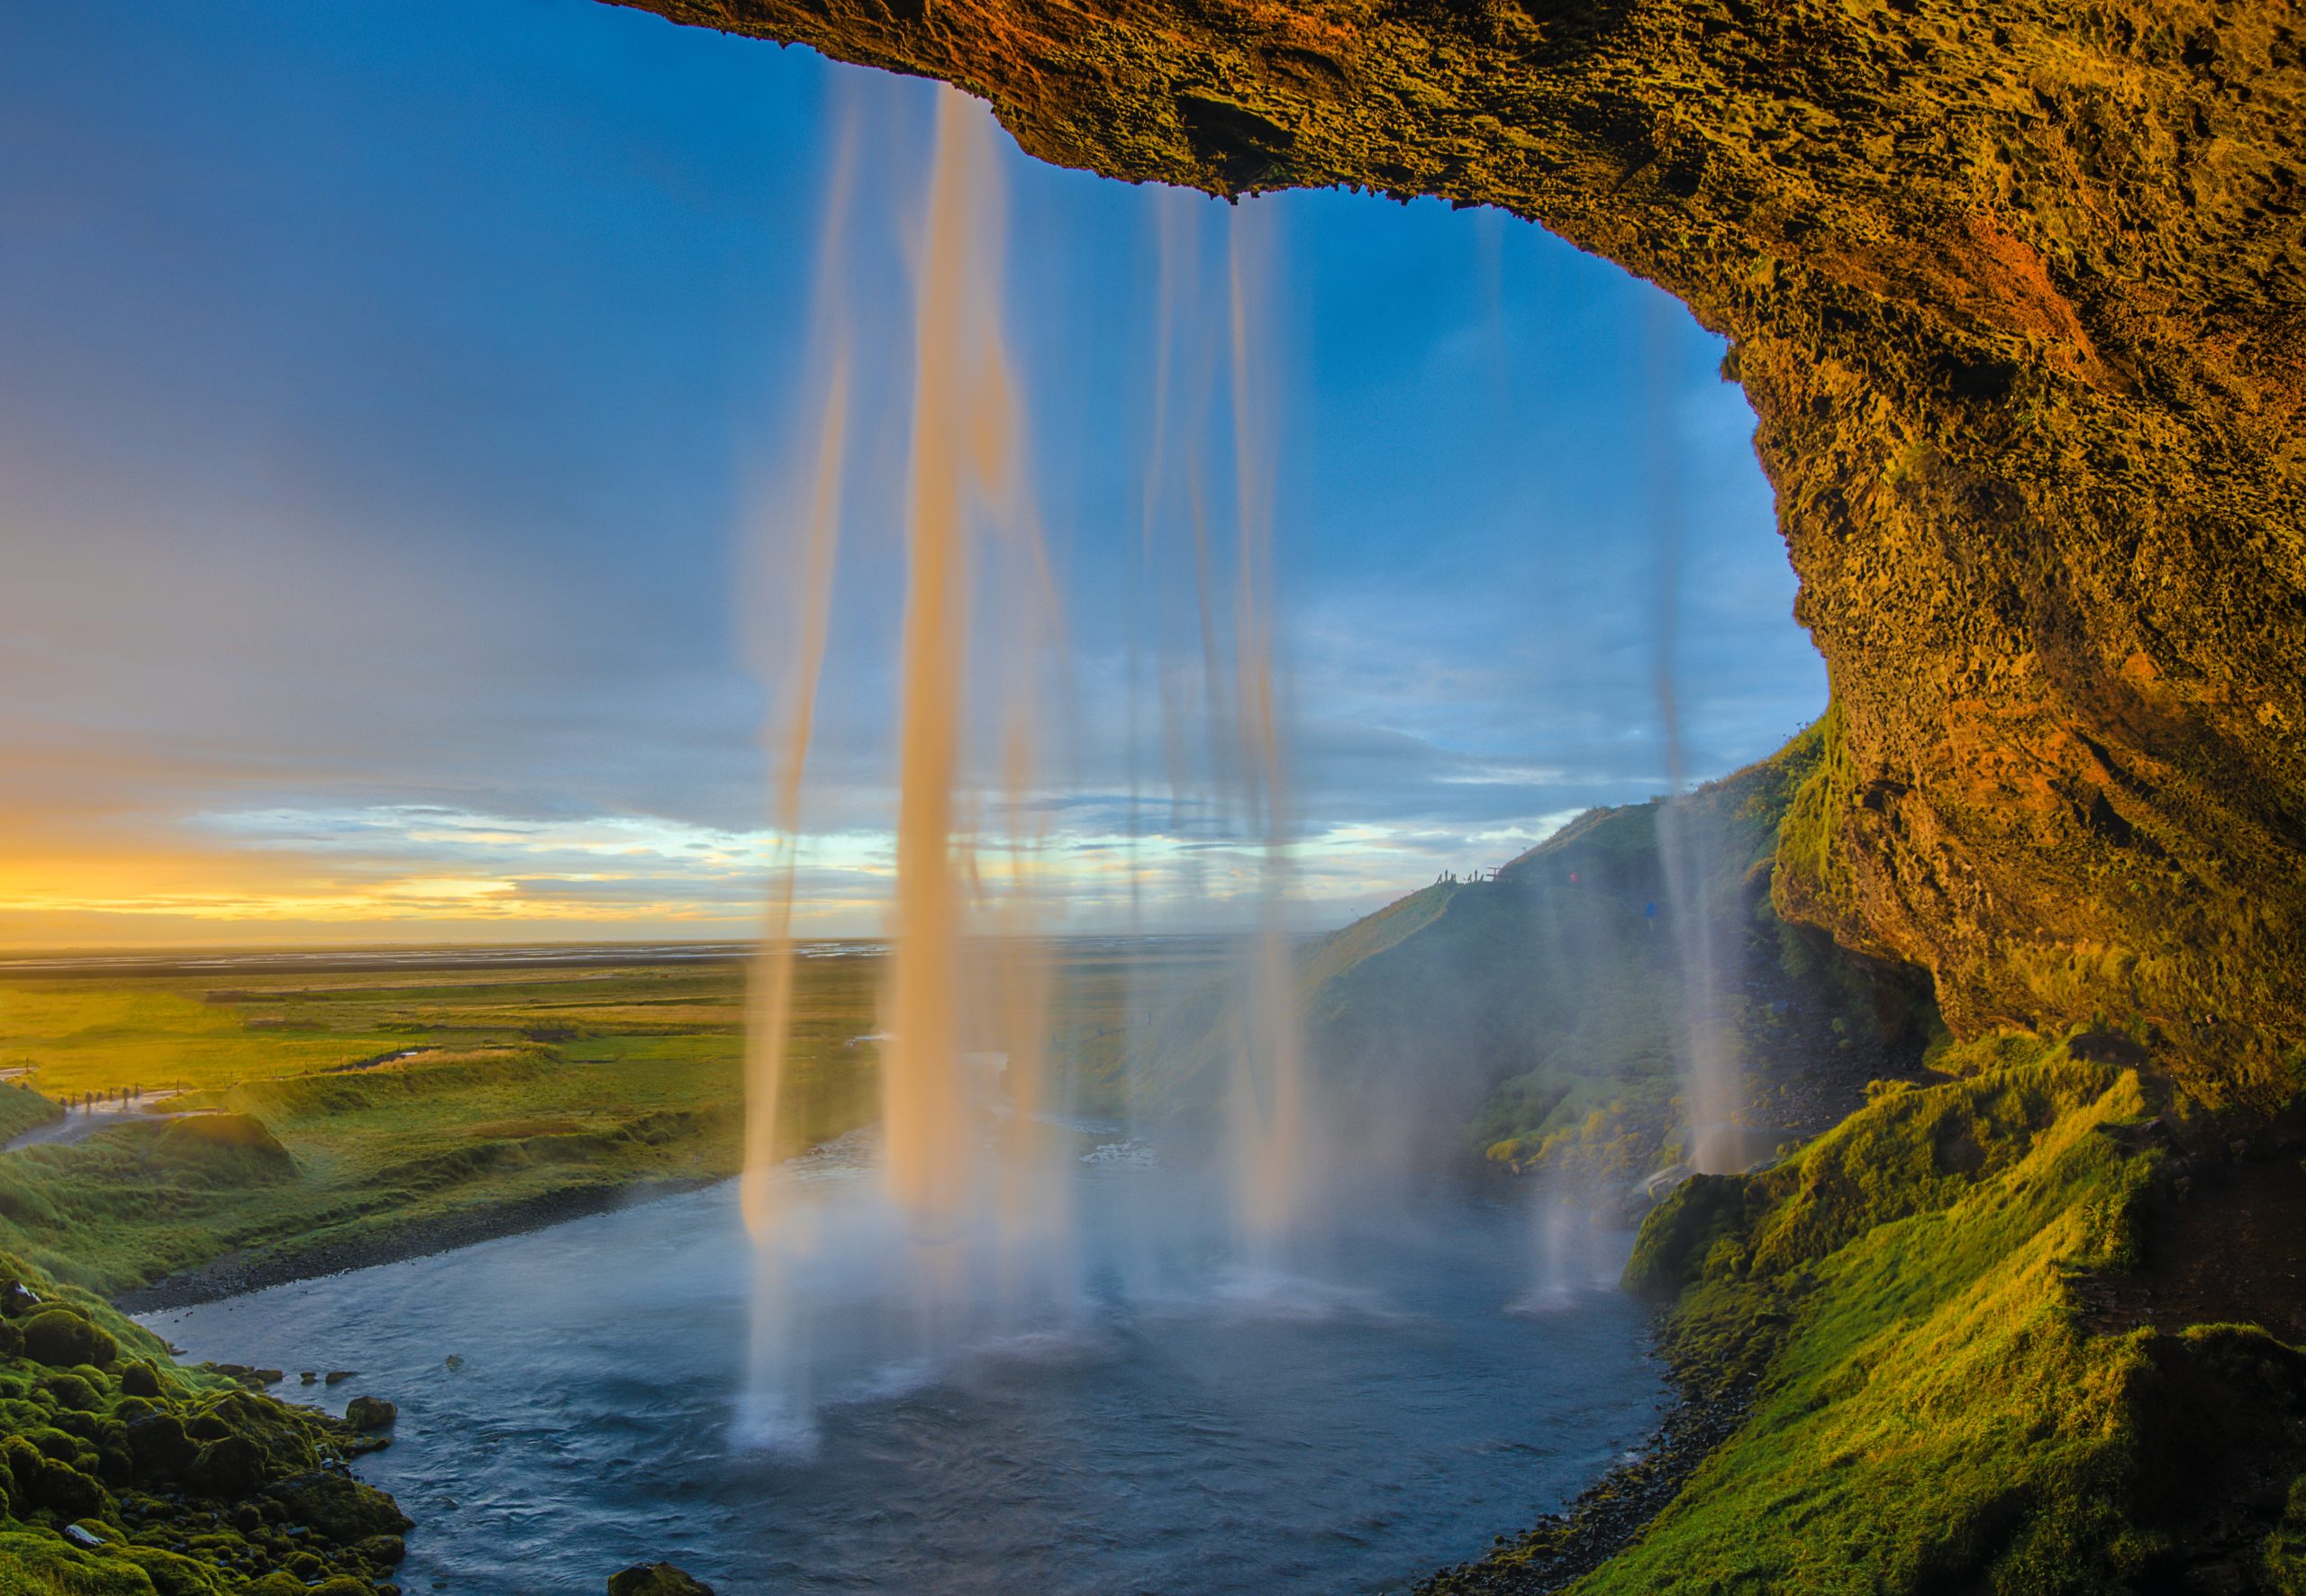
(60, 1336)
(369, 1414)
(233, 1466)
(339, 1507)
(158, 1446)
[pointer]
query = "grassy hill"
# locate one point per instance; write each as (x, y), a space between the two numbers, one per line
(1545, 1019)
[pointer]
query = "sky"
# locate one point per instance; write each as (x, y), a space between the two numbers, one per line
(403, 411)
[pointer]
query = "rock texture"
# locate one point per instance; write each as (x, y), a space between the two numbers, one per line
(2014, 287)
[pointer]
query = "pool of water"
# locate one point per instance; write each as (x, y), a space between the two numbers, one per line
(571, 1401)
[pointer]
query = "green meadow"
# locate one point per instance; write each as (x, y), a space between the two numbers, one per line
(365, 1109)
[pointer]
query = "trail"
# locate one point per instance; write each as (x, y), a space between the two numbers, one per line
(79, 1124)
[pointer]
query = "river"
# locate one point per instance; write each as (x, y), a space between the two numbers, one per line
(569, 1403)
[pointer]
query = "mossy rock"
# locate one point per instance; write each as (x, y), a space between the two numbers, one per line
(60, 1336)
(369, 1414)
(278, 1583)
(339, 1507)
(42, 1562)
(140, 1379)
(67, 1492)
(230, 1467)
(173, 1574)
(159, 1448)
(1679, 1233)
(656, 1578)
(74, 1392)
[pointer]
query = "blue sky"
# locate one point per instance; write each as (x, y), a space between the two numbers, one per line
(392, 398)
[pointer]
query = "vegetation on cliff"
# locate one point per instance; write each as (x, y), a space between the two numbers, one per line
(1914, 1308)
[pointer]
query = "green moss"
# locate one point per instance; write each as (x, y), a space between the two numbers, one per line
(182, 1472)
(1931, 1411)
(1811, 882)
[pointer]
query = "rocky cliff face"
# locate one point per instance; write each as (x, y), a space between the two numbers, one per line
(2014, 287)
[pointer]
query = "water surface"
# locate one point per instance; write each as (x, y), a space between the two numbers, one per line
(1186, 1427)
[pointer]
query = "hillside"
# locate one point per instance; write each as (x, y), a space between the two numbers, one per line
(1545, 1019)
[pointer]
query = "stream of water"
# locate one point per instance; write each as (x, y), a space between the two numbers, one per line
(1182, 1427)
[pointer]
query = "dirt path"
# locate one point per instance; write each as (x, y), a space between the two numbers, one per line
(79, 1124)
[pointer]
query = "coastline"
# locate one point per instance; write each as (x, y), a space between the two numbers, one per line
(238, 1274)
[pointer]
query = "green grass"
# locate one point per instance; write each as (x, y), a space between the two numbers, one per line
(521, 1090)
(1933, 1411)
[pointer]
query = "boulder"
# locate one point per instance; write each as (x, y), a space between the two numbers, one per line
(60, 1336)
(67, 1492)
(369, 1414)
(140, 1379)
(233, 1466)
(339, 1507)
(278, 1583)
(656, 1578)
(159, 1448)
(71, 1391)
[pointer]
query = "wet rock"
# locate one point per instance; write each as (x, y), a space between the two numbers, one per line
(381, 1551)
(369, 1414)
(339, 1376)
(656, 1578)
(247, 1375)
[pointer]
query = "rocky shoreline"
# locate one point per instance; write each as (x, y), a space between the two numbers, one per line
(1610, 1514)
(237, 1274)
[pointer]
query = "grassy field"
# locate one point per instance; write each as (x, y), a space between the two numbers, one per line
(353, 1109)
(350, 1105)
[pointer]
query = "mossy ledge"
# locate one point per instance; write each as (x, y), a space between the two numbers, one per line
(123, 1474)
(2014, 287)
